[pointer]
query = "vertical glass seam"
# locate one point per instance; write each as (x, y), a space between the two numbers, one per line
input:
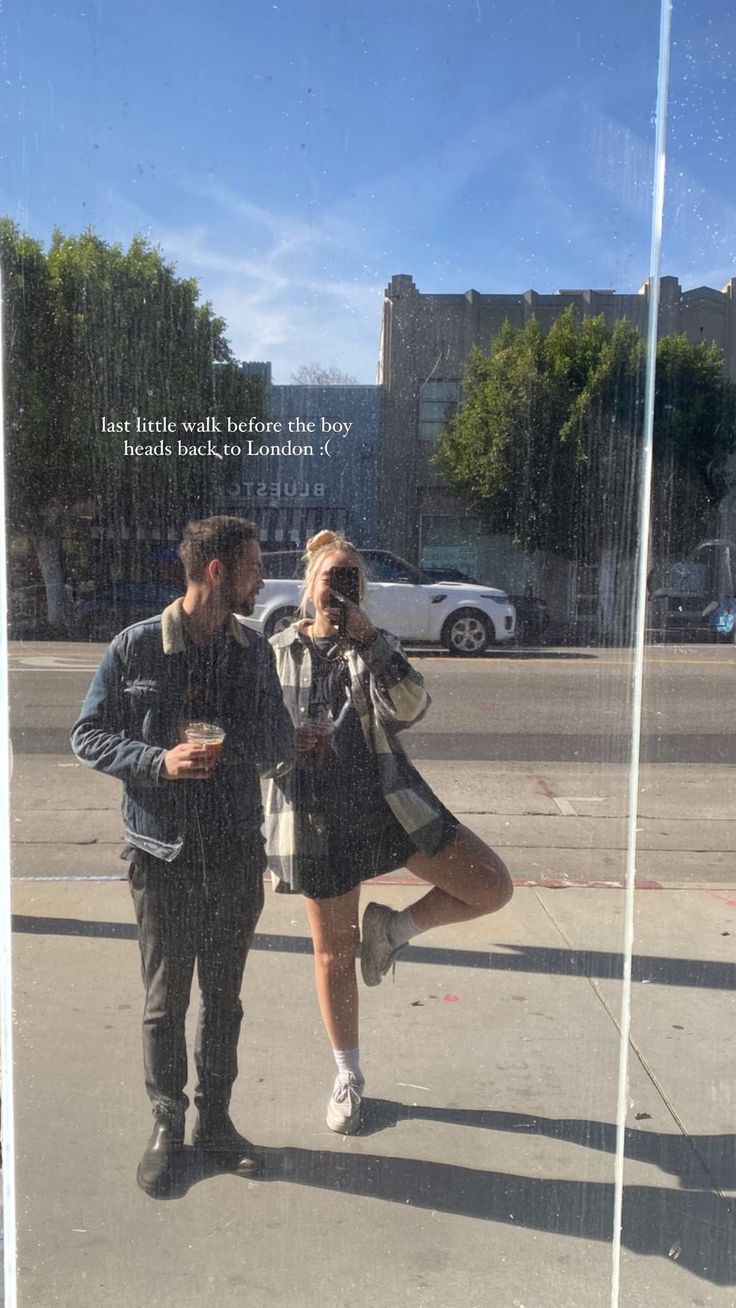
(6, 988)
(640, 601)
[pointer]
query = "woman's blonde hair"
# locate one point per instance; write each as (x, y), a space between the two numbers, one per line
(318, 547)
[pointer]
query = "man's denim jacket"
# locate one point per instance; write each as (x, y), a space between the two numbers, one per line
(131, 717)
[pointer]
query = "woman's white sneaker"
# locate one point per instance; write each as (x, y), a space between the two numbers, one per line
(343, 1110)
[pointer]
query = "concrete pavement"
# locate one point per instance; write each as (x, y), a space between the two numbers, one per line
(561, 822)
(484, 1173)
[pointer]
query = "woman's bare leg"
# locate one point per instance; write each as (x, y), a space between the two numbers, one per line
(335, 934)
(468, 878)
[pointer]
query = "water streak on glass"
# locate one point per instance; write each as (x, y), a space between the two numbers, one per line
(6, 989)
(639, 630)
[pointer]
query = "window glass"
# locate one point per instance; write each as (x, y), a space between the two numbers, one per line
(385, 567)
(288, 187)
(437, 404)
(683, 945)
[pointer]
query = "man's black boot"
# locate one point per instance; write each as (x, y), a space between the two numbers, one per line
(154, 1168)
(214, 1132)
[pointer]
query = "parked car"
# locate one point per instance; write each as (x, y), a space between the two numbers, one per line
(722, 620)
(111, 608)
(689, 599)
(466, 618)
(27, 611)
(532, 619)
(450, 574)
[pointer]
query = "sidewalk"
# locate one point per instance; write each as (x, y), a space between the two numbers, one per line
(559, 822)
(484, 1173)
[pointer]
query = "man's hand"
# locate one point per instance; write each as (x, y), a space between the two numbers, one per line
(188, 763)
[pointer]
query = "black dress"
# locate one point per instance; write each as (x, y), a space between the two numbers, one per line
(361, 838)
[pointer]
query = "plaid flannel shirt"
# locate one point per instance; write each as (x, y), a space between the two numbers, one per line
(388, 695)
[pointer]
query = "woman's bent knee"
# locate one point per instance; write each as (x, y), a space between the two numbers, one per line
(504, 887)
(489, 875)
(493, 886)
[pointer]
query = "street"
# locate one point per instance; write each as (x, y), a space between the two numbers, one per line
(531, 749)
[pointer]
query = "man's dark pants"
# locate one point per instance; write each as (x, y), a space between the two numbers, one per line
(187, 914)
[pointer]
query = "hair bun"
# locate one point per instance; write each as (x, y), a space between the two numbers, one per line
(322, 538)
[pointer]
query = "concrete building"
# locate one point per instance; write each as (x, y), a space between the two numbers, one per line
(426, 340)
(314, 463)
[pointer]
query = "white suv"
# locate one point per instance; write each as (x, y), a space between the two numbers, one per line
(465, 618)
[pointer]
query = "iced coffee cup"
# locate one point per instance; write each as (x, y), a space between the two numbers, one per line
(324, 731)
(208, 735)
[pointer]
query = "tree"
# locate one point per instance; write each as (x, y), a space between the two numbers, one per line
(313, 374)
(33, 457)
(546, 443)
(694, 433)
(92, 331)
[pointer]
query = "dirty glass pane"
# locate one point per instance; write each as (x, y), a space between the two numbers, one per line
(679, 1177)
(364, 196)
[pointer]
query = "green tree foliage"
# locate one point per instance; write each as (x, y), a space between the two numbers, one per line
(546, 442)
(694, 433)
(90, 331)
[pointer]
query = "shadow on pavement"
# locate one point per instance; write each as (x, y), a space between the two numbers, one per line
(489, 746)
(503, 652)
(693, 1228)
(190, 1166)
(697, 973)
(609, 747)
(696, 1161)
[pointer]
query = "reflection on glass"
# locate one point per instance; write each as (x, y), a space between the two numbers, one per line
(332, 182)
(680, 1137)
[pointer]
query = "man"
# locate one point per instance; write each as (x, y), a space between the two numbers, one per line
(192, 821)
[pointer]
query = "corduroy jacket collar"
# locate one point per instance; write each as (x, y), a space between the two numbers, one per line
(172, 628)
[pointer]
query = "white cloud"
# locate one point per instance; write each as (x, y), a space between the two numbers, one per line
(269, 279)
(276, 311)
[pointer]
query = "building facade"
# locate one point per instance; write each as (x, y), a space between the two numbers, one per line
(425, 344)
(313, 463)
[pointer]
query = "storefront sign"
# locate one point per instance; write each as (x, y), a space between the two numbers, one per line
(289, 489)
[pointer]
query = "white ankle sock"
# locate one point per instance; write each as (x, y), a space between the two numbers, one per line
(348, 1060)
(403, 928)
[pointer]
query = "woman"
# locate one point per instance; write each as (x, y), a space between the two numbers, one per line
(354, 807)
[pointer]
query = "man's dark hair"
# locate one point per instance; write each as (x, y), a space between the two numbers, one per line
(214, 538)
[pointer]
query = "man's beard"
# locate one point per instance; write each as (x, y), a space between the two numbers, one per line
(236, 602)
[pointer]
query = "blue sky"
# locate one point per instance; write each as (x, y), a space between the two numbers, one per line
(294, 155)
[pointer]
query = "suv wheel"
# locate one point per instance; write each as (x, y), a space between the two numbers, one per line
(279, 620)
(468, 633)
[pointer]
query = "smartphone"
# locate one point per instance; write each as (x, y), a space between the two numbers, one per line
(345, 585)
